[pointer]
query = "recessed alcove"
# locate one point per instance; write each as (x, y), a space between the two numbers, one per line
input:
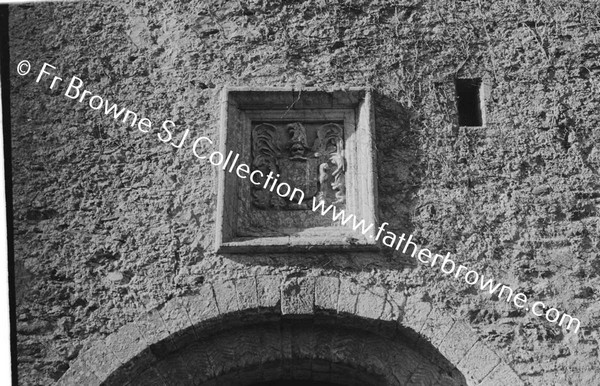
(470, 102)
(302, 147)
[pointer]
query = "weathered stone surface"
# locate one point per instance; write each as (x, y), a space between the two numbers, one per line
(126, 342)
(436, 326)
(393, 309)
(348, 296)
(246, 291)
(131, 350)
(502, 375)
(415, 315)
(227, 298)
(268, 290)
(100, 359)
(79, 373)
(298, 296)
(201, 307)
(327, 291)
(151, 327)
(513, 199)
(175, 317)
(370, 303)
(457, 342)
(478, 362)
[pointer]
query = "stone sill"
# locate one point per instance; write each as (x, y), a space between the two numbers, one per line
(312, 239)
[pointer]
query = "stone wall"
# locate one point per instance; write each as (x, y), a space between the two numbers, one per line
(110, 222)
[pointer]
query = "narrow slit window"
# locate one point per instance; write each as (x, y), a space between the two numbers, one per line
(468, 100)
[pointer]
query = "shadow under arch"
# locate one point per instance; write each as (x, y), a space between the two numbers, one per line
(256, 330)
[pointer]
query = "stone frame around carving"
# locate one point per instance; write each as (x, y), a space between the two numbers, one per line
(242, 106)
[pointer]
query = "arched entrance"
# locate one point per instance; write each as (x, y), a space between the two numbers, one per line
(267, 330)
(339, 352)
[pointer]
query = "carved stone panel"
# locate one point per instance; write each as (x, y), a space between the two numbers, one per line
(308, 156)
(310, 151)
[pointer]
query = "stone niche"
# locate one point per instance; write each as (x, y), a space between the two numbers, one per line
(317, 143)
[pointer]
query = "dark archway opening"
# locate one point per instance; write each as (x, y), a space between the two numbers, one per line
(278, 350)
(301, 371)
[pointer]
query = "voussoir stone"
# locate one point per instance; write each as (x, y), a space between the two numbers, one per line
(415, 314)
(393, 308)
(151, 327)
(226, 295)
(502, 375)
(100, 359)
(268, 290)
(202, 306)
(348, 296)
(246, 292)
(79, 373)
(127, 344)
(298, 296)
(326, 292)
(478, 362)
(458, 341)
(370, 303)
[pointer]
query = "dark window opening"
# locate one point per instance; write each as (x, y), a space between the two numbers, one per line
(468, 100)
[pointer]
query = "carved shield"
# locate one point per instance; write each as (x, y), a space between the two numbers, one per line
(317, 170)
(301, 174)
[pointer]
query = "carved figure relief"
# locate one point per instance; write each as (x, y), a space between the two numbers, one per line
(317, 169)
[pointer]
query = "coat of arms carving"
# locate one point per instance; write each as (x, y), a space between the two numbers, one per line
(316, 165)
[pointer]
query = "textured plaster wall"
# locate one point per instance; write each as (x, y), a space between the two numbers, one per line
(110, 221)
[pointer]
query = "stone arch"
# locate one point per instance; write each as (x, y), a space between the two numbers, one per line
(315, 328)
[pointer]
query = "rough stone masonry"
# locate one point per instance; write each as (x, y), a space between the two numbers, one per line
(114, 232)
